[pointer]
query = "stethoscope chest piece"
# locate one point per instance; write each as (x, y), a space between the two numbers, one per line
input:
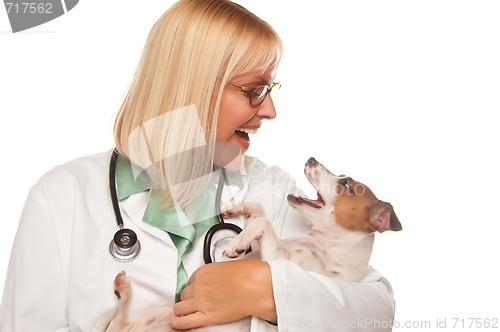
(124, 247)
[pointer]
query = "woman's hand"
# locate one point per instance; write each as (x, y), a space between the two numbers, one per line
(224, 292)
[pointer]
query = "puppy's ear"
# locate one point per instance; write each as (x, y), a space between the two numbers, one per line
(383, 218)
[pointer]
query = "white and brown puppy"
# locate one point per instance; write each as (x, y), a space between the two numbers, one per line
(344, 219)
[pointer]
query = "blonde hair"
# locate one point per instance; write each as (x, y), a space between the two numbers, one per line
(167, 121)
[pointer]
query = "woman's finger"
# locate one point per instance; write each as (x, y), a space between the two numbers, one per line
(194, 320)
(186, 307)
(186, 293)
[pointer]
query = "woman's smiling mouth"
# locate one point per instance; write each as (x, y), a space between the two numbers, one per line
(243, 137)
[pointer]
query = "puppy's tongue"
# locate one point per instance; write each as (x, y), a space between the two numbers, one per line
(315, 203)
(241, 134)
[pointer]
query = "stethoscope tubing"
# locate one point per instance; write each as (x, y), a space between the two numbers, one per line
(112, 188)
(125, 246)
(221, 224)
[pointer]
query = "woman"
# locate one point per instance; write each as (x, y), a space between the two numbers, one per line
(203, 83)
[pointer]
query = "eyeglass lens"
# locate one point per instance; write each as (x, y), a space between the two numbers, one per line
(260, 93)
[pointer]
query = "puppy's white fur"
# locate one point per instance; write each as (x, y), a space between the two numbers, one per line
(339, 243)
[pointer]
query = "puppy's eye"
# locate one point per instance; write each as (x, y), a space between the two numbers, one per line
(344, 183)
(347, 184)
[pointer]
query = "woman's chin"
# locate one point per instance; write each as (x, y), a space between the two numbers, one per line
(229, 154)
(244, 144)
(236, 163)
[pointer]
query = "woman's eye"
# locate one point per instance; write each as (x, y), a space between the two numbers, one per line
(247, 93)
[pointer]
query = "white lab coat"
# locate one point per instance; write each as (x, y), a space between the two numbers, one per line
(60, 275)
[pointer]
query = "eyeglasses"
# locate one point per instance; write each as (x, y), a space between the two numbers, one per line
(258, 94)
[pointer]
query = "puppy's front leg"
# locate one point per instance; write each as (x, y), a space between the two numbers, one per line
(261, 230)
(123, 291)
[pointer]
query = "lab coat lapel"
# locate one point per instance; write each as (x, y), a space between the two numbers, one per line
(235, 188)
(134, 208)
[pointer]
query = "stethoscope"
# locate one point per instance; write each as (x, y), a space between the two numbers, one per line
(125, 246)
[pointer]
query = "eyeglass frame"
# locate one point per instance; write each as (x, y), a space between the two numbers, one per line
(249, 91)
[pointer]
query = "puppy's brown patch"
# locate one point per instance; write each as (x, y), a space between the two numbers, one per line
(352, 206)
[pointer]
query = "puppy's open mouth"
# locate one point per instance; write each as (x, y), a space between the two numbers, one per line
(315, 203)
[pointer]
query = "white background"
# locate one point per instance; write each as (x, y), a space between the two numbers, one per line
(402, 95)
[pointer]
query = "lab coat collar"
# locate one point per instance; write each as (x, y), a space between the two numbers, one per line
(135, 195)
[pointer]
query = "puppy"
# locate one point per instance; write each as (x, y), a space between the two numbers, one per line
(344, 219)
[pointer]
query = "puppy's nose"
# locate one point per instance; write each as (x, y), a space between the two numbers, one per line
(311, 162)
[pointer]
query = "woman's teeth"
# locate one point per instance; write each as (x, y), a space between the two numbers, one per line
(248, 131)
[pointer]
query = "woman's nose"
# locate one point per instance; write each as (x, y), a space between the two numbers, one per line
(266, 109)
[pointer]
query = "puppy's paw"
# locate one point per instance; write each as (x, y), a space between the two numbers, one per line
(233, 210)
(250, 210)
(232, 252)
(237, 246)
(123, 290)
(242, 243)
